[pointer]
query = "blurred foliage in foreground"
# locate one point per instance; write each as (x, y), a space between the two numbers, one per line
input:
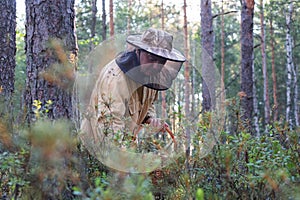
(47, 161)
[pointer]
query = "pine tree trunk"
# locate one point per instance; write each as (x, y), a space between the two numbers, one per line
(111, 18)
(186, 84)
(208, 70)
(104, 27)
(264, 65)
(93, 25)
(222, 55)
(186, 66)
(289, 66)
(246, 62)
(51, 52)
(7, 57)
(163, 93)
(275, 107)
(129, 16)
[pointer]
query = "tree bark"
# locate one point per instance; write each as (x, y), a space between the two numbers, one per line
(111, 18)
(275, 107)
(7, 56)
(104, 27)
(255, 104)
(208, 70)
(186, 88)
(51, 52)
(246, 94)
(295, 86)
(264, 65)
(289, 66)
(93, 25)
(163, 93)
(129, 16)
(222, 55)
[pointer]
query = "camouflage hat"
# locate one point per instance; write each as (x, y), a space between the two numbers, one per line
(157, 42)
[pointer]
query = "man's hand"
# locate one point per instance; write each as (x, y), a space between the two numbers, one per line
(157, 124)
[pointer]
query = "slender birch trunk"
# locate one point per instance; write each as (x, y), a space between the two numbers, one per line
(295, 86)
(289, 66)
(264, 65)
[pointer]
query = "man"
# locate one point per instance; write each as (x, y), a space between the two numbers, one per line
(126, 89)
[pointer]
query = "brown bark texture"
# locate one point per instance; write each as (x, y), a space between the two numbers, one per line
(7, 53)
(104, 27)
(247, 60)
(207, 47)
(51, 51)
(111, 18)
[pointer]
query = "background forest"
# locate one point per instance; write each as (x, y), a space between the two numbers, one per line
(234, 105)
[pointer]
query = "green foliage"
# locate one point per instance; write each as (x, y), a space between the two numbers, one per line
(240, 166)
(142, 15)
(12, 174)
(118, 186)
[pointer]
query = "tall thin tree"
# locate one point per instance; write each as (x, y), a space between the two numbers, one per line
(93, 24)
(163, 93)
(104, 27)
(264, 65)
(186, 88)
(129, 16)
(275, 107)
(7, 56)
(222, 53)
(289, 65)
(111, 18)
(207, 46)
(247, 61)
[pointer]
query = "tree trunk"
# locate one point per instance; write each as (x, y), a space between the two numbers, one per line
(104, 27)
(247, 61)
(162, 15)
(186, 88)
(295, 86)
(275, 107)
(7, 57)
(51, 52)
(255, 104)
(111, 18)
(264, 65)
(289, 66)
(222, 55)
(163, 93)
(129, 16)
(208, 70)
(93, 24)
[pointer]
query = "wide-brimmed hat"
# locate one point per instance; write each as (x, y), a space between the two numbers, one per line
(157, 42)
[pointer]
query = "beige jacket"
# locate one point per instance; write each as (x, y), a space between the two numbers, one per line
(119, 103)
